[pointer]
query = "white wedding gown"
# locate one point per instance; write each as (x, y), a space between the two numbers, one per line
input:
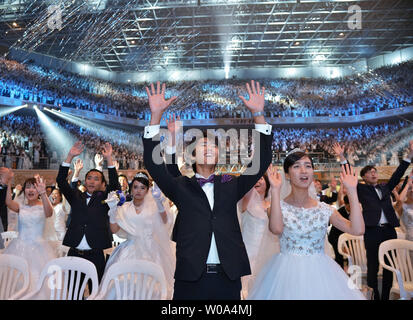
(147, 238)
(302, 270)
(30, 244)
(259, 242)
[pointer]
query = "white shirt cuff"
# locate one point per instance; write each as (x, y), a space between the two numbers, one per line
(65, 164)
(75, 179)
(263, 128)
(109, 167)
(170, 149)
(151, 131)
(407, 160)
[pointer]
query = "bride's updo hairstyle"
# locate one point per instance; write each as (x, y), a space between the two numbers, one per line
(141, 177)
(293, 158)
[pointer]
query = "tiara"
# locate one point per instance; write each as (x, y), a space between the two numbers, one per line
(141, 175)
(294, 151)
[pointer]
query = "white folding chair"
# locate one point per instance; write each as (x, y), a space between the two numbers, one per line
(352, 248)
(14, 277)
(63, 277)
(134, 280)
(8, 236)
(399, 253)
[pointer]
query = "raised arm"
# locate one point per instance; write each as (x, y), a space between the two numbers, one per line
(255, 105)
(174, 126)
(400, 198)
(158, 104)
(355, 225)
(276, 223)
(40, 186)
(7, 179)
(339, 152)
(113, 174)
(61, 179)
(401, 169)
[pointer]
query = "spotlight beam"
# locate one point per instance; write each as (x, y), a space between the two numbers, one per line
(57, 138)
(106, 132)
(7, 110)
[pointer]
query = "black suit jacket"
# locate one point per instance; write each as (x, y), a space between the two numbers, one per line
(196, 221)
(90, 219)
(329, 200)
(3, 207)
(371, 203)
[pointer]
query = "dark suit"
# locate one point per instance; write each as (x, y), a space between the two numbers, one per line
(326, 199)
(374, 235)
(196, 222)
(335, 234)
(3, 207)
(90, 220)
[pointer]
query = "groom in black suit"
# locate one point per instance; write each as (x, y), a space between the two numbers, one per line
(210, 254)
(88, 233)
(380, 218)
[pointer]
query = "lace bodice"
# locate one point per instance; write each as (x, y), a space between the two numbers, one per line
(31, 222)
(304, 229)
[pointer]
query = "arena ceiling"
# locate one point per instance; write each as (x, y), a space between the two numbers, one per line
(154, 35)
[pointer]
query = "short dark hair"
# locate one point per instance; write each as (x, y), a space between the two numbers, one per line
(207, 135)
(367, 169)
(31, 181)
(293, 158)
(346, 201)
(96, 170)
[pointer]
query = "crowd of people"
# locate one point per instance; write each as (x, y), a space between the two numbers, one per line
(24, 145)
(373, 91)
(258, 235)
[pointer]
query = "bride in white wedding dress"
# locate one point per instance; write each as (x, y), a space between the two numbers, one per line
(302, 270)
(144, 222)
(30, 245)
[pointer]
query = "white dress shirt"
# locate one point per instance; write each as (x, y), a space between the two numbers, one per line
(153, 130)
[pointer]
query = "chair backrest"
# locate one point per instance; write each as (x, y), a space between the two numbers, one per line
(398, 253)
(352, 247)
(67, 278)
(134, 280)
(14, 276)
(8, 236)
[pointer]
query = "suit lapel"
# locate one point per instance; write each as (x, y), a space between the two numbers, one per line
(217, 188)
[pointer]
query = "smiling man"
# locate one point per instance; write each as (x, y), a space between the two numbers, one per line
(210, 254)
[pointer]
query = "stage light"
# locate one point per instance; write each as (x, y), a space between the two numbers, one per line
(107, 133)
(7, 110)
(59, 139)
(226, 69)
